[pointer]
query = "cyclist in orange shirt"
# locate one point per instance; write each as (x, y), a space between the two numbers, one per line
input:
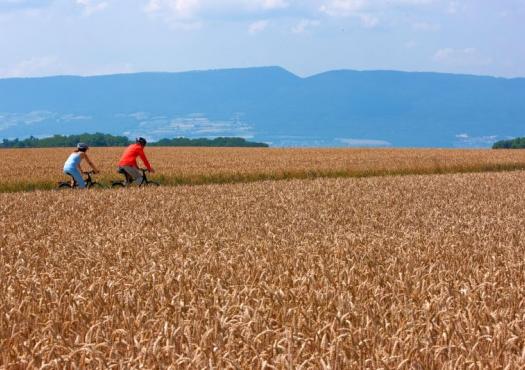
(128, 162)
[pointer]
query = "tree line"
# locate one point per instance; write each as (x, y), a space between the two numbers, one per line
(105, 140)
(517, 143)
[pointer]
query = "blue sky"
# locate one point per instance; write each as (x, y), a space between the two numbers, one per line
(91, 37)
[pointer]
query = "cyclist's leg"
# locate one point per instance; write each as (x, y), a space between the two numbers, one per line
(135, 174)
(75, 173)
(71, 181)
(127, 177)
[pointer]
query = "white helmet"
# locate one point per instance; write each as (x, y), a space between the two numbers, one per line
(82, 147)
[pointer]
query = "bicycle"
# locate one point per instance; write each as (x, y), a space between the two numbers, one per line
(90, 183)
(128, 180)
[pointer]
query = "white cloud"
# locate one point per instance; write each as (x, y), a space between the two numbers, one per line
(73, 117)
(368, 12)
(274, 4)
(304, 25)
(185, 8)
(339, 8)
(461, 57)
(196, 9)
(443, 54)
(179, 14)
(92, 6)
(344, 8)
(258, 26)
(359, 9)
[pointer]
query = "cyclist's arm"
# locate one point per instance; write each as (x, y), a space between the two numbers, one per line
(145, 161)
(89, 162)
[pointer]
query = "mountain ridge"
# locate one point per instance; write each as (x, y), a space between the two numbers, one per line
(271, 104)
(268, 68)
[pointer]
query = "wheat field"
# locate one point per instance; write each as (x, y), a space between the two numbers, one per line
(30, 169)
(412, 272)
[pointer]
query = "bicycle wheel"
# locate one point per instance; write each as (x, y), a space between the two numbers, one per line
(151, 183)
(64, 185)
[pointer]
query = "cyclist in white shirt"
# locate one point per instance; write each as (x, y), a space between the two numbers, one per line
(72, 165)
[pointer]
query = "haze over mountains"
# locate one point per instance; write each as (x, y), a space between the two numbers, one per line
(337, 108)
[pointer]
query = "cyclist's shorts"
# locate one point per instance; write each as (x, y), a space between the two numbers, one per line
(76, 175)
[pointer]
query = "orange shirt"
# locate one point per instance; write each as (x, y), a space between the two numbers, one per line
(129, 158)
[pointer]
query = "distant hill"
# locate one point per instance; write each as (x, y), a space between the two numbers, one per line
(106, 140)
(338, 108)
